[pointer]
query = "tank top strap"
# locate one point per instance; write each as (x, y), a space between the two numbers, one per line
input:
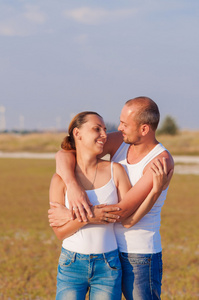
(112, 170)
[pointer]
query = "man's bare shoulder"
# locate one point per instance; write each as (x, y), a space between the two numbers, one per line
(165, 154)
(168, 157)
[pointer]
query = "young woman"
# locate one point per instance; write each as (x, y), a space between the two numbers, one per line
(89, 258)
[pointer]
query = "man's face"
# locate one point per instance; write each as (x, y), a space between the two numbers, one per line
(128, 126)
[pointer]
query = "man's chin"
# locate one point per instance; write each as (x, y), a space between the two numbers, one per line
(125, 140)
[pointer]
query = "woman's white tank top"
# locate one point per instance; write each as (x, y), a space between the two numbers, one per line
(95, 239)
(143, 237)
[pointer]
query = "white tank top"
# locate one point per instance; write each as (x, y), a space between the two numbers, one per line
(93, 238)
(143, 237)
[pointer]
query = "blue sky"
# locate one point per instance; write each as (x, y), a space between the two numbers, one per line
(58, 58)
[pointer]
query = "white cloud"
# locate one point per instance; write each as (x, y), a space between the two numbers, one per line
(12, 29)
(34, 15)
(81, 39)
(20, 22)
(92, 16)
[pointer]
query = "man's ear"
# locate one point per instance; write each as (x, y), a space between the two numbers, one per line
(144, 129)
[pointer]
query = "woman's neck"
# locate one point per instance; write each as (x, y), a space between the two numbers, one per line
(86, 162)
(86, 171)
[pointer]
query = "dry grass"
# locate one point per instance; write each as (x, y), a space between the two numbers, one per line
(29, 249)
(185, 143)
(33, 142)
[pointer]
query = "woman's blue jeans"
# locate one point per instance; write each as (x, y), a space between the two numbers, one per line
(100, 273)
(141, 276)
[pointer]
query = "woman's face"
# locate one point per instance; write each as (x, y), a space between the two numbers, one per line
(92, 134)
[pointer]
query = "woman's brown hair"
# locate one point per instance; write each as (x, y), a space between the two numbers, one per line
(81, 118)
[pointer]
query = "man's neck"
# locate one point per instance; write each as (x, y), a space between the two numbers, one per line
(137, 152)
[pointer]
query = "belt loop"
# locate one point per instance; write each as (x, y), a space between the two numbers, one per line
(104, 257)
(74, 256)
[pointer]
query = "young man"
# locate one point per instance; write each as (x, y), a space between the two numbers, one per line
(135, 147)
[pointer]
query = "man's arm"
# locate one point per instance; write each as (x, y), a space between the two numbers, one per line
(78, 200)
(161, 180)
(114, 140)
(138, 193)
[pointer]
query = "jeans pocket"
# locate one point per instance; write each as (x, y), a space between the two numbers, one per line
(136, 259)
(114, 263)
(66, 259)
(140, 261)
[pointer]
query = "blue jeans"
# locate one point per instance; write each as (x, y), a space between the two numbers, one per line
(100, 273)
(141, 276)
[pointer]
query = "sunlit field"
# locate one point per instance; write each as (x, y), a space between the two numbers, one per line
(184, 143)
(29, 250)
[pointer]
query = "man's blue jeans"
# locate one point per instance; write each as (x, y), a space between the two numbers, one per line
(141, 276)
(77, 273)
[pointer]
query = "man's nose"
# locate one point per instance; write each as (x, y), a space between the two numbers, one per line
(120, 127)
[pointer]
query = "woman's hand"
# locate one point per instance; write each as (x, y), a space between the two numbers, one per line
(161, 176)
(58, 214)
(102, 214)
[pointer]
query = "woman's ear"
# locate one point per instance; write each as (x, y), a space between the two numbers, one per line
(76, 133)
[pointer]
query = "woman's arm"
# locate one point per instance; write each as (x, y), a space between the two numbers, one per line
(57, 198)
(121, 180)
(57, 195)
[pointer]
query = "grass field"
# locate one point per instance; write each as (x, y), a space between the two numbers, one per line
(29, 249)
(185, 143)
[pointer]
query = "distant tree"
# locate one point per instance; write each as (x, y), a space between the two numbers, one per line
(169, 126)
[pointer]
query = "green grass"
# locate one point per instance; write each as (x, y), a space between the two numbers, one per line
(29, 250)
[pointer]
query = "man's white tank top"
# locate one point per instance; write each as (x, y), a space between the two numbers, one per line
(143, 237)
(95, 239)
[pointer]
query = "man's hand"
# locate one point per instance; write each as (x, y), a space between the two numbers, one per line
(58, 215)
(102, 214)
(79, 203)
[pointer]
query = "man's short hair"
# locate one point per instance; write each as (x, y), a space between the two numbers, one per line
(147, 111)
